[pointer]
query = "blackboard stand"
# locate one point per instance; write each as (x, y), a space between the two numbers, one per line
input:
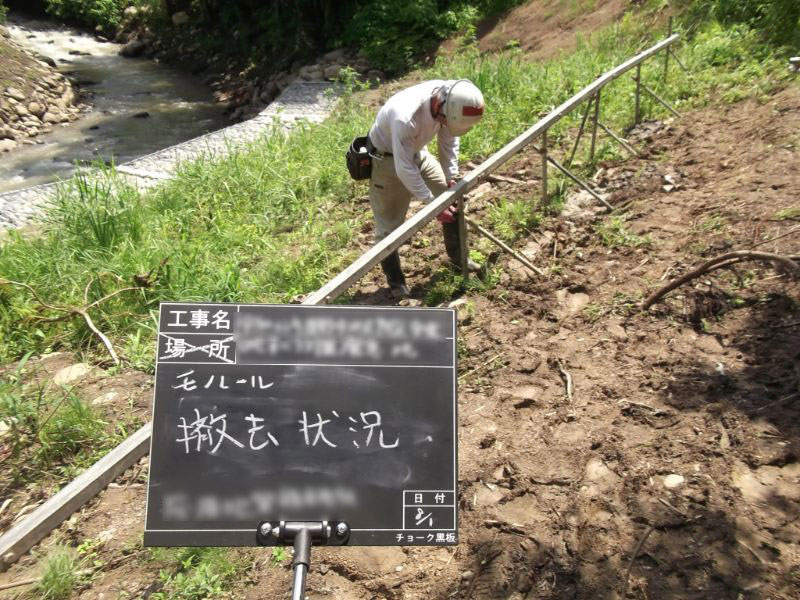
(302, 535)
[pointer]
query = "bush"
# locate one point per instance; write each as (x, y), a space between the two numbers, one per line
(106, 13)
(3, 12)
(778, 21)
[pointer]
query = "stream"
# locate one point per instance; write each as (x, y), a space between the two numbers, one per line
(179, 107)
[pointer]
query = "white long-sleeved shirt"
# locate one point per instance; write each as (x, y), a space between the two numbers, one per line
(404, 126)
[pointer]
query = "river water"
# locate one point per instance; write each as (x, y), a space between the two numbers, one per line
(179, 107)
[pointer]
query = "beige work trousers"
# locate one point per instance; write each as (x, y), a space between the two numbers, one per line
(388, 196)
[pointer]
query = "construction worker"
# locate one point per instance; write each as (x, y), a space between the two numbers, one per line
(402, 166)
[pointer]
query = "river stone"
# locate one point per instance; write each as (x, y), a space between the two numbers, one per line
(6, 145)
(311, 73)
(36, 109)
(6, 133)
(180, 18)
(48, 60)
(71, 373)
(332, 72)
(335, 56)
(132, 49)
(51, 118)
(22, 110)
(15, 93)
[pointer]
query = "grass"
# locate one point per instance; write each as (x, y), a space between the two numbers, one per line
(614, 234)
(49, 431)
(788, 214)
(197, 573)
(59, 574)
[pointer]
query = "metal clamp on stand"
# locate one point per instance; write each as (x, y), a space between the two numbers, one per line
(302, 535)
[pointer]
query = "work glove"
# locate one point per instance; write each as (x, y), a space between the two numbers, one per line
(448, 215)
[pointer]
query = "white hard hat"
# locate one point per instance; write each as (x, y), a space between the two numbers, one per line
(463, 107)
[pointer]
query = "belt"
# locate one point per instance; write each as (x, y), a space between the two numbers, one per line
(374, 151)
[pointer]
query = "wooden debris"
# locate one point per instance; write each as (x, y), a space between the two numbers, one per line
(723, 260)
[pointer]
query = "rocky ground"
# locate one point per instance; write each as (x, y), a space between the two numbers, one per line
(670, 468)
(34, 97)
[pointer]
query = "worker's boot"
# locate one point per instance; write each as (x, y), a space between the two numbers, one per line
(452, 243)
(394, 275)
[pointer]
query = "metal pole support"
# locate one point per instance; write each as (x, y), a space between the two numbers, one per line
(462, 239)
(594, 123)
(543, 152)
(580, 132)
(302, 535)
(666, 53)
(637, 114)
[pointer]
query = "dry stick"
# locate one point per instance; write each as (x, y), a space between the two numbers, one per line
(13, 584)
(633, 558)
(777, 237)
(72, 311)
(717, 262)
(487, 234)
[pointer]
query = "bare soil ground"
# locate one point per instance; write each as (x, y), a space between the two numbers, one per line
(544, 28)
(672, 472)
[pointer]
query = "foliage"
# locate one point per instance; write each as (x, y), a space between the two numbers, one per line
(197, 573)
(777, 21)
(3, 12)
(106, 13)
(614, 234)
(50, 431)
(59, 574)
(509, 219)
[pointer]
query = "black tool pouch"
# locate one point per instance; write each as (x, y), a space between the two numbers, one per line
(359, 161)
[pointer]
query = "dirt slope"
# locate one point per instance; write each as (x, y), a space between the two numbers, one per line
(544, 28)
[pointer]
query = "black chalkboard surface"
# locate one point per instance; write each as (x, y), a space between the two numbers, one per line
(303, 413)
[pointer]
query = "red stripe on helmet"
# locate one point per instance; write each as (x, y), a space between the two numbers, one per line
(472, 111)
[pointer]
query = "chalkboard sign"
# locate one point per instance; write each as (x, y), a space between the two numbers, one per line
(268, 413)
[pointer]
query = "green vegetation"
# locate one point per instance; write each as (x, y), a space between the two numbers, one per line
(59, 574)
(197, 573)
(614, 234)
(48, 430)
(791, 213)
(3, 12)
(105, 13)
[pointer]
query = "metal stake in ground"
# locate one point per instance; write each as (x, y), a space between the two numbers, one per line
(595, 123)
(578, 180)
(666, 53)
(543, 152)
(637, 114)
(580, 132)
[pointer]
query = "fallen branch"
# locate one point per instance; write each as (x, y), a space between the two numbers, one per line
(13, 584)
(72, 311)
(723, 261)
(633, 558)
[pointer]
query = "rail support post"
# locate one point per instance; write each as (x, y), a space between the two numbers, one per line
(580, 132)
(543, 152)
(666, 53)
(637, 113)
(463, 249)
(594, 123)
